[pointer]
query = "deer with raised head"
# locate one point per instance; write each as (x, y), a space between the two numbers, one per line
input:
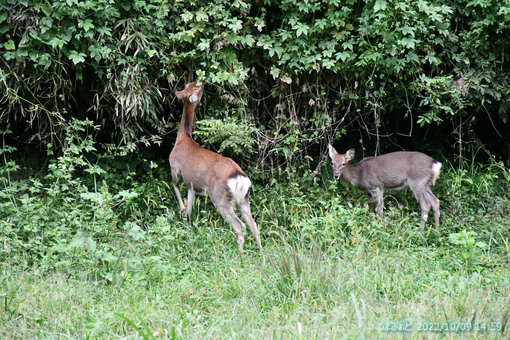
(391, 171)
(207, 172)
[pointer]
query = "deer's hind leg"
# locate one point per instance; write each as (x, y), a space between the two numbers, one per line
(434, 203)
(226, 210)
(424, 200)
(244, 207)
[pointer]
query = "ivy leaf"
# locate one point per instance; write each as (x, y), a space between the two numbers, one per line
(204, 45)
(77, 57)
(202, 16)
(265, 42)
(10, 45)
(302, 29)
(343, 55)
(407, 30)
(380, 5)
(235, 25)
(47, 9)
(104, 30)
(275, 72)
(348, 45)
(86, 25)
(408, 42)
(56, 42)
(187, 16)
(247, 40)
(277, 48)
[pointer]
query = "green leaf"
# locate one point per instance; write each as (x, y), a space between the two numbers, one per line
(9, 45)
(408, 42)
(235, 25)
(3, 16)
(302, 29)
(247, 40)
(380, 5)
(202, 16)
(104, 30)
(86, 25)
(77, 57)
(407, 30)
(187, 16)
(47, 9)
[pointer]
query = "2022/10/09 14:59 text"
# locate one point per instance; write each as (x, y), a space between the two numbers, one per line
(454, 326)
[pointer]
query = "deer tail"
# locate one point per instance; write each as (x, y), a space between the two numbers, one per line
(436, 168)
(238, 185)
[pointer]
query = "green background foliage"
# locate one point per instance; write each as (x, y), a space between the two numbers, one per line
(92, 244)
(428, 75)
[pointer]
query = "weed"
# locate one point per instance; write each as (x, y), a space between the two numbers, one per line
(469, 250)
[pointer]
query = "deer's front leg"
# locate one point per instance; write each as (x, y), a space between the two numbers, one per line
(377, 196)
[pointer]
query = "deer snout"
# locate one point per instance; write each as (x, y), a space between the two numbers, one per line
(336, 176)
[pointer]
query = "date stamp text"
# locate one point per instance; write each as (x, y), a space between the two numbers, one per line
(439, 327)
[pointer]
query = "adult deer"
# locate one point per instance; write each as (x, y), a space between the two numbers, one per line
(391, 171)
(207, 172)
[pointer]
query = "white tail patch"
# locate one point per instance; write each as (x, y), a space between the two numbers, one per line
(239, 186)
(436, 168)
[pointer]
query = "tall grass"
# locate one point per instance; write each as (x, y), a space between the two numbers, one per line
(288, 292)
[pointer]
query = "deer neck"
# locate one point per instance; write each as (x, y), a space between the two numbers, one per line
(186, 126)
(349, 175)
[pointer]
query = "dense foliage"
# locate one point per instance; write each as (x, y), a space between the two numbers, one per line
(430, 75)
(92, 244)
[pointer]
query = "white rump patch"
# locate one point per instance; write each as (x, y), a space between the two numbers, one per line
(436, 167)
(239, 187)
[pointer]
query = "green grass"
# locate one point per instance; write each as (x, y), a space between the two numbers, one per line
(118, 262)
(292, 293)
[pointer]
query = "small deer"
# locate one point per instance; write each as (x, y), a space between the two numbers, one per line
(394, 170)
(207, 172)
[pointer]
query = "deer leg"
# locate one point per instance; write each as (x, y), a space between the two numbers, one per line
(227, 212)
(244, 207)
(175, 181)
(421, 197)
(434, 203)
(191, 198)
(377, 204)
(425, 208)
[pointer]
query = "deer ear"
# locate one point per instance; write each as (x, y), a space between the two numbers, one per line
(179, 94)
(331, 150)
(349, 155)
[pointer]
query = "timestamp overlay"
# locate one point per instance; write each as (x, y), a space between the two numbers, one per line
(440, 327)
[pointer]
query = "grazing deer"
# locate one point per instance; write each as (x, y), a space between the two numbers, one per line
(391, 171)
(207, 172)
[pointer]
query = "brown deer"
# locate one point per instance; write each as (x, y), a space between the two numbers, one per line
(394, 170)
(207, 172)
